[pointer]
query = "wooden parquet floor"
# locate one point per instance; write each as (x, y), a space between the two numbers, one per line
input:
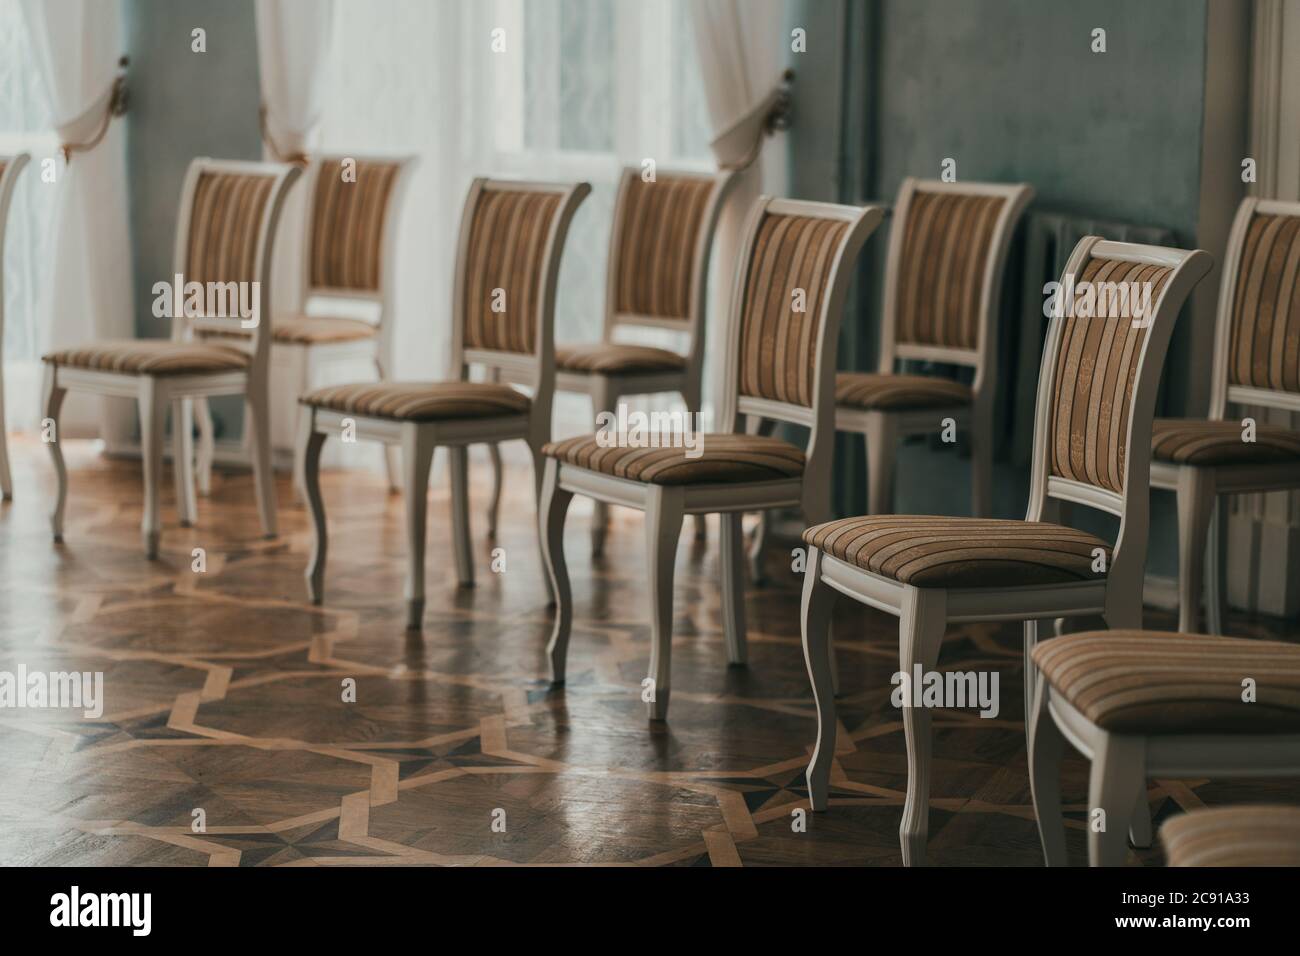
(224, 693)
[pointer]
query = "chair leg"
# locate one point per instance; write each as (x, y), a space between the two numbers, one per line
(298, 484)
(1046, 744)
(494, 503)
(663, 527)
(53, 402)
(6, 478)
(1195, 504)
(1034, 630)
(1139, 824)
(392, 453)
(183, 460)
(759, 426)
(818, 655)
(458, 466)
(1118, 770)
(1216, 568)
(206, 447)
(539, 477)
(920, 632)
(603, 399)
(153, 410)
(308, 450)
(257, 427)
(417, 457)
(733, 586)
(881, 440)
(552, 508)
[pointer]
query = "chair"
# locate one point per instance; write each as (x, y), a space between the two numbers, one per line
(1234, 836)
(10, 167)
(1256, 362)
(503, 314)
(1143, 704)
(657, 277)
(229, 213)
(780, 361)
(349, 251)
(1096, 392)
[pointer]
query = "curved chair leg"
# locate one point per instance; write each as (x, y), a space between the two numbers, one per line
(206, 447)
(1045, 748)
(759, 426)
(153, 410)
(1033, 629)
(458, 466)
(1118, 770)
(494, 503)
(553, 506)
(53, 402)
(539, 477)
(1139, 824)
(417, 457)
(733, 586)
(392, 453)
(308, 451)
(920, 632)
(603, 399)
(183, 460)
(257, 424)
(663, 528)
(882, 440)
(298, 483)
(818, 655)
(6, 478)
(1216, 566)
(1195, 504)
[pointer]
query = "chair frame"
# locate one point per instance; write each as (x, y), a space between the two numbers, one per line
(13, 165)
(418, 440)
(665, 506)
(154, 394)
(1202, 515)
(924, 613)
(606, 388)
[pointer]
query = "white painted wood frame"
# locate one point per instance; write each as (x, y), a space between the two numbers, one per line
(13, 165)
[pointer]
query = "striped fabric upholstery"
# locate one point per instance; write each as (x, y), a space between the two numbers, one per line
(724, 459)
(935, 552)
(225, 219)
(947, 241)
(1190, 441)
(1265, 341)
(151, 357)
(1254, 835)
(611, 358)
(778, 346)
(317, 329)
(869, 390)
(1096, 370)
(507, 245)
(656, 245)
(421, 401)
(347, 225)
(1157, 682)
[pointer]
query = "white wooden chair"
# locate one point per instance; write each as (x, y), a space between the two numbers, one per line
(795, 265)
(1256, 362)
(10, 167)
(657, 277)
(229, 213)
(1096, 396)
(503, 315)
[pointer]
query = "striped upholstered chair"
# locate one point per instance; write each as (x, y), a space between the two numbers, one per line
(503, 314)
(228, 218)
(795, 264)
(10, 167)
(1264, 835)
(1256, 363)
(1143, 704)
(657, 277)
(1096, 396)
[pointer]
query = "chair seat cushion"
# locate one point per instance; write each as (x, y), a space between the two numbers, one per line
(872, 390)
(1261, 835)
(320, 329)
(937, 552)
(152, 357)
(1157, 682)
(421, 401)
(723, 459)
(610, 358)
(1191, 441)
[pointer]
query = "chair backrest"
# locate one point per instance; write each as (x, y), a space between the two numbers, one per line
(943, 275)
(225, 234)
(662, 238)
(1112, 318)
(1257, 336)
(512, 235)
(10, 167)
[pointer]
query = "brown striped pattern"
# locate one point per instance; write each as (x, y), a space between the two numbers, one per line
(421, 401)
(1190, 441)
(938, 552)
(347, 225)
(151, 357)
(947, 242)
(609, 357)
(778, 346)
(507, 251)
(725, 459)
(1157, 682)
(661, 225)
(1265, 343)
(1096, 370)
(225, 219)
(314, 329)
(1251, 835)
(873, 390)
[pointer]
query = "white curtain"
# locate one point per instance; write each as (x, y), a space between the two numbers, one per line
(88, 295)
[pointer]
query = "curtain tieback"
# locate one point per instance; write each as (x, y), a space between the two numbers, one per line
(738, 146)
(299, 157)
(111, 104)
